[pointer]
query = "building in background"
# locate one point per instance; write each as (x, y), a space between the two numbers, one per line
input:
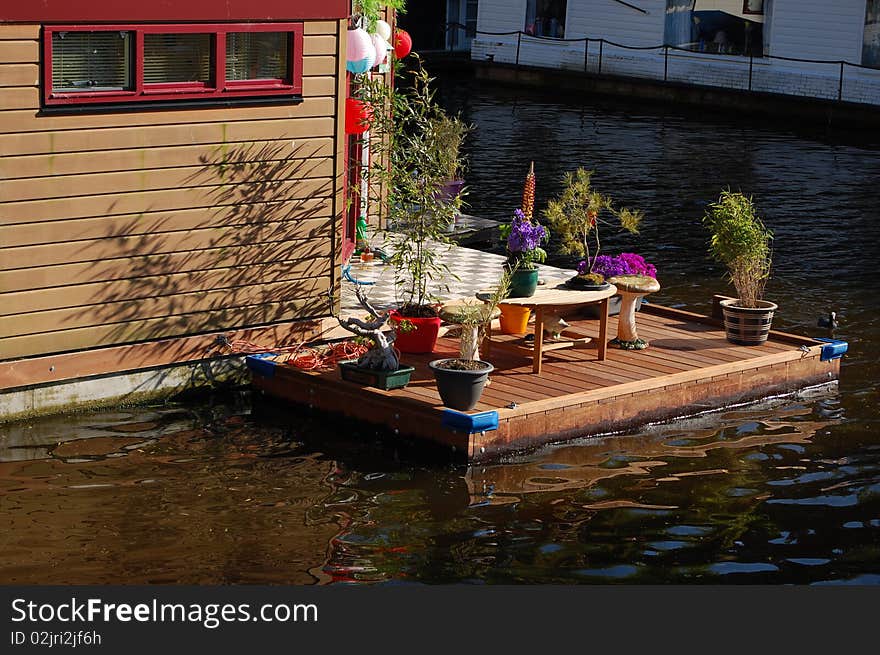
(798, 47)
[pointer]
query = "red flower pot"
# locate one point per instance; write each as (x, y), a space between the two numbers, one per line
(421, 340)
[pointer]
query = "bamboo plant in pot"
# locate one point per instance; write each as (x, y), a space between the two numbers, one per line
(409, 163)
(742, 243)
(451, 132)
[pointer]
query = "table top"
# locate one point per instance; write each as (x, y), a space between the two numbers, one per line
(561, 295)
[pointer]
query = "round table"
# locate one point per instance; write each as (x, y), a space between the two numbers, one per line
(559, 297)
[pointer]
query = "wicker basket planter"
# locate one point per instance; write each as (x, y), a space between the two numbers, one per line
(747, 326)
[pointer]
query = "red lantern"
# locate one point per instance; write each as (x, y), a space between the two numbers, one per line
(358, 115)
(402, 44)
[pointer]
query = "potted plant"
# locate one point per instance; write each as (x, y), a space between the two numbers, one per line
(409, 162)
(576, 216)
(741, 242)
(523, 238)
(451, 132)
(608, 266)
(380, 365)
(461, 380)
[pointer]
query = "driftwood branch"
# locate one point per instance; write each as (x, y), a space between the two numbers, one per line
(382, 356)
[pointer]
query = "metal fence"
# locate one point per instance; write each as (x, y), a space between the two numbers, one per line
(838, 80)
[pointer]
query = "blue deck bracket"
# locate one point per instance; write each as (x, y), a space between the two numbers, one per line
(262, 365)
(470, 423)
(833, 349)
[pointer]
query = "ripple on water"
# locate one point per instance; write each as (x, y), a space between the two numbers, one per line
(736, 568)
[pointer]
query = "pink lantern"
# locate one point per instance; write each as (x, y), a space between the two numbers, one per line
(361, 54)
(381, 46)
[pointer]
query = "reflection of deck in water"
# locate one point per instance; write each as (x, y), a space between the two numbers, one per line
(690, 367)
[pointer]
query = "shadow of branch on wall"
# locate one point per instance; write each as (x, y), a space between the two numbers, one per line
(253, 247)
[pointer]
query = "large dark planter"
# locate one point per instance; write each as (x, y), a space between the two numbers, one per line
(523, 283)
(747, 326)
(450, 190)
(460, 390)
(421, 340)
(368, 377)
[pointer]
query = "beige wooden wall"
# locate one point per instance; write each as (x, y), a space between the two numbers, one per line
(125, 227)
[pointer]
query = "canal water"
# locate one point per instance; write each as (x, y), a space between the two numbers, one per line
(232, 491)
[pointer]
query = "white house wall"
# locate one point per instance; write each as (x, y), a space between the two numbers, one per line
(610, 20)
(799, 29)
(817, 29)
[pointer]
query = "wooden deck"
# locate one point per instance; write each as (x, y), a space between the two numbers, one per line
(690, 367)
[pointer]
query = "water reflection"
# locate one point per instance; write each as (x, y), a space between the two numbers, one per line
(193, 494)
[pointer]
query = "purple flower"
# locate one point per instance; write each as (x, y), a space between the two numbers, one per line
(627, 263)
(524, 236)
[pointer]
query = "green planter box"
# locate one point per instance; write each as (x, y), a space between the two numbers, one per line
(386, 380)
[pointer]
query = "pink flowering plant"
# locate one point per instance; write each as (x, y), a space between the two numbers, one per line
(524, 238)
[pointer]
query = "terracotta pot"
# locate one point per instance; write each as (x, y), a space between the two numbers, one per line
(421, 340)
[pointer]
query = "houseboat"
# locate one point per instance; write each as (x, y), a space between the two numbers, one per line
(172, 178)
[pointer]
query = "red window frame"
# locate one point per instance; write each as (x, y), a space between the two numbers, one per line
(222, 89)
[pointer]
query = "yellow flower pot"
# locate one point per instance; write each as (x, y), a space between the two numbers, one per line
(514, 319)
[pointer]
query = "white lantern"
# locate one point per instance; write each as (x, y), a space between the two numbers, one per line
(383, 29)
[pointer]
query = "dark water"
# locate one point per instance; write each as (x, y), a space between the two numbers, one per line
(784, 492)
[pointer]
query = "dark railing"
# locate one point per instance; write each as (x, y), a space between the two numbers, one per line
(841, 64)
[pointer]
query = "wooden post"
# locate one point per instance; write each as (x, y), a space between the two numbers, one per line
(666, 63)
(539, 339)
(518, 43)
(601, 44)
(840, 86)
(751, 68)
(586, 55)
(603, 329)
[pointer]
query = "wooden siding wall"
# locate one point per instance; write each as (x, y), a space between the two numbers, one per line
(126, 227)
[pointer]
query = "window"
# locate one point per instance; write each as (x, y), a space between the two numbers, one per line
(546, 18)
(871, 42)
(729, 27)
(133, 63)
(256, 56)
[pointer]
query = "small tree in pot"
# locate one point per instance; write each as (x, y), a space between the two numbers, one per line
(380, 365)
(460, 381)
(576, 217)
(409, 164)
(741, 242)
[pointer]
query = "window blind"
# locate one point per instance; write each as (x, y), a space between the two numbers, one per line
(177, 58)
(257, 56)
(91, 61)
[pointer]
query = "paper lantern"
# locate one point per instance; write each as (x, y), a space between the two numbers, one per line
(381, 46)
(402, 44)
(361, 55)
(358, 115)
(383, 29)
